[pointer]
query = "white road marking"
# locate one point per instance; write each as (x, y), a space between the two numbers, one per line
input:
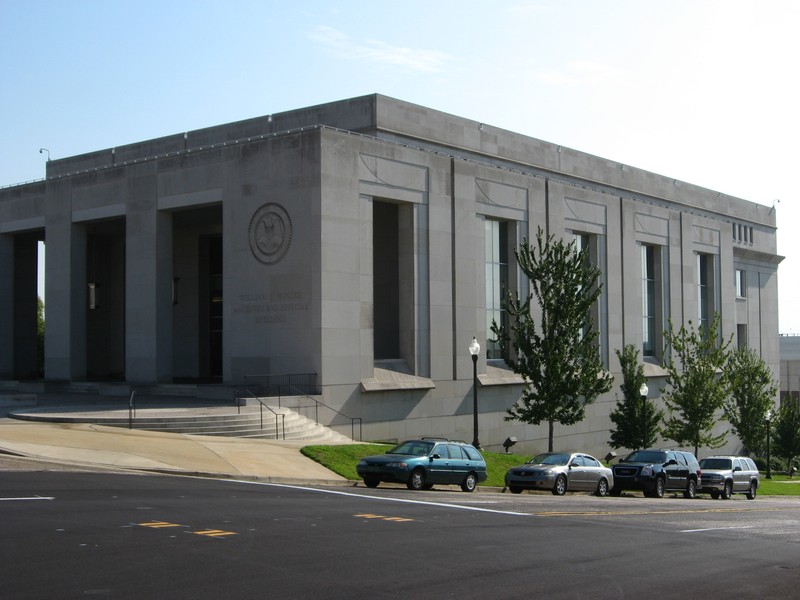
(401, 500)
(31, 498)
(715, 529)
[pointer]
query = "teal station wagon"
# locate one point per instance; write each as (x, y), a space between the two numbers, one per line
(426, 462)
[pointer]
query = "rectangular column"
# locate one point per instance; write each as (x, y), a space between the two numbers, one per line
(148, 288)
(65, 287)
(6, 307)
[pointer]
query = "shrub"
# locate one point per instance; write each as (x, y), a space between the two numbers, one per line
(777, 464)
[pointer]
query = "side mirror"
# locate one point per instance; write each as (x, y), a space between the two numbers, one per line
(737, 469)
(435, 456)
(671, 461)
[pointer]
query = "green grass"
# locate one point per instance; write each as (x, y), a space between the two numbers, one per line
(779, 485)
(342, 460)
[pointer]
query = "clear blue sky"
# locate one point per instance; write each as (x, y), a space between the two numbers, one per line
(704, 91)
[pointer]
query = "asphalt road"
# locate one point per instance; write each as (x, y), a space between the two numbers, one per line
(77, 534)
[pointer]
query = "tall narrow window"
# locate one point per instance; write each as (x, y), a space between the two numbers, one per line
(741, 284)
(741, 336)
(589, 244)
(386, 280)
(648, 300)
(706, 299)
(654, 299)
(496, 239)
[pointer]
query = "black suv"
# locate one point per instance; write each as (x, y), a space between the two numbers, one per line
(655, 471)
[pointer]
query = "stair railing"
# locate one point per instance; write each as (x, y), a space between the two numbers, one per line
(131, 410)
(294, 392)
(244, 393)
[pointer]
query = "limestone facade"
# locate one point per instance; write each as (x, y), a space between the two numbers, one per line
(356, 240)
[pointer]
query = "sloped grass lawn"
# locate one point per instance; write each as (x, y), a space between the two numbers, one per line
(342, 460)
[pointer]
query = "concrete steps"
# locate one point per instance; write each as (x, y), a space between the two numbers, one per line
(214, 421)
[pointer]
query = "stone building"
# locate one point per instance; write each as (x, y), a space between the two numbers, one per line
(364, 241)
(790, 367)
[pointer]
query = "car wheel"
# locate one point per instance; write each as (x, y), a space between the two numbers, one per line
(427, 486)
(470, 483)
(602, 488)
(615, 491)
(515, 490)
(372, 483)
(727, 490)
(560, 486)
(417, 480)
(715, 494)
(657, 491)
(751, 493)
(691, 489)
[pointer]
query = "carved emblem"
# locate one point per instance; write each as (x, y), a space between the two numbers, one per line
(270, 233)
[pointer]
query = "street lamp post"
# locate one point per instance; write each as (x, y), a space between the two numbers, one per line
(474, 350)
(769, 469)
(643, 391)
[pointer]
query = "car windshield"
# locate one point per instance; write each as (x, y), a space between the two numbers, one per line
(715, 463)
(412, 448)
(648, 456)
(550, 459)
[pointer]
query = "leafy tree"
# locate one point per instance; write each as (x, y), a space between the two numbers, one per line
(697, 386)
(752, 392)
(559, 359)
(787, 432)
(637, 420)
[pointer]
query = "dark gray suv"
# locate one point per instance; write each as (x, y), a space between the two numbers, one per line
(655, 471)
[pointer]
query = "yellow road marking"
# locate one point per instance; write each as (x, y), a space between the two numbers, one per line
(215, 532)
(383, 517)
(208, 532)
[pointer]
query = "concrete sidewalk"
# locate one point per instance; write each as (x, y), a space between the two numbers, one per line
(99, 445)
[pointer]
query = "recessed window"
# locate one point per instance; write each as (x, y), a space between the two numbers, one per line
(741, 336)
(741, 284)
(584, 242)
(594, 245)
(386, 282)
(496, 240)
(653, 288)
(706, 293)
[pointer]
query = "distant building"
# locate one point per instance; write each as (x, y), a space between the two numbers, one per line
(364, 241)
(790, 367)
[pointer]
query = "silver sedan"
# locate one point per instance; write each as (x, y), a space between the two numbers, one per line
(561, 472)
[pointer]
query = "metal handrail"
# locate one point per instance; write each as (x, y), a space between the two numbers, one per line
(270, 385)
(318, 403)
(131, 410)
(262, 406)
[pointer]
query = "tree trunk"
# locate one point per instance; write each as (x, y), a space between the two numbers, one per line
(550, 436)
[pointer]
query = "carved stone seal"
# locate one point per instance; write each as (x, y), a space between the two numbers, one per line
(270, 233)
